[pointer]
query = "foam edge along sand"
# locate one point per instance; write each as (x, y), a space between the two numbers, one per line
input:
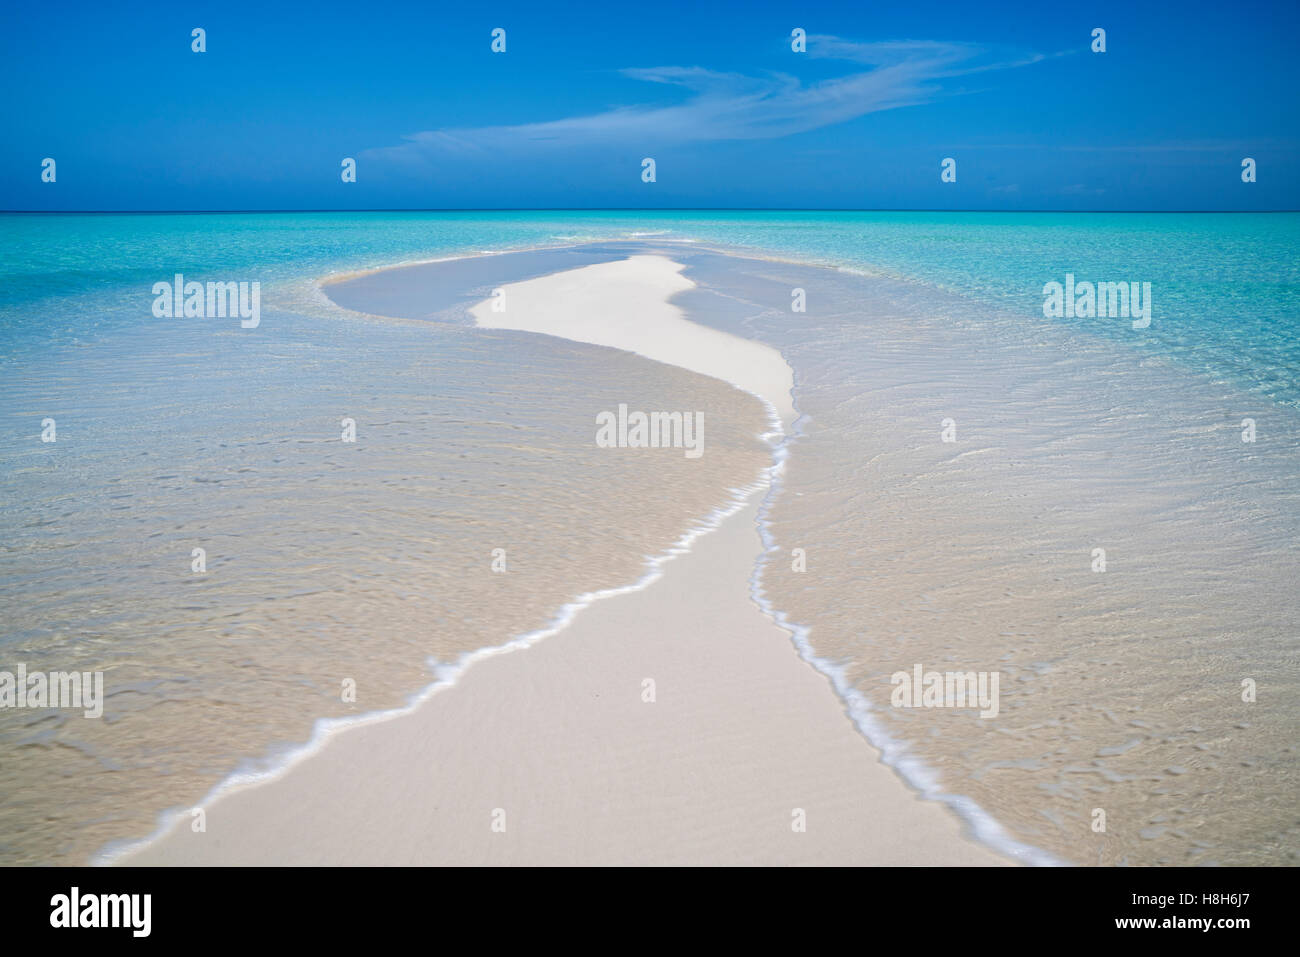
(915, 773)
(447, 675)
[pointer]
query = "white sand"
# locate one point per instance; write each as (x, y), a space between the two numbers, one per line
(741, 734)
(623, 304)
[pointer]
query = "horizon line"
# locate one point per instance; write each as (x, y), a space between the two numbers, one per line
(624, 209)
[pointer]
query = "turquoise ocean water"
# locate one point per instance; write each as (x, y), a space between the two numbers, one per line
(1225, 286)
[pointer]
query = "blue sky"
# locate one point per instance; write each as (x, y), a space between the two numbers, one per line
(732, 117)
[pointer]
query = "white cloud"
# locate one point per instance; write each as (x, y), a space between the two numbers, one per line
(732, 106)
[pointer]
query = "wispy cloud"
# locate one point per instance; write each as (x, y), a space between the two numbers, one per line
(1064, 144)
(733, 106)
